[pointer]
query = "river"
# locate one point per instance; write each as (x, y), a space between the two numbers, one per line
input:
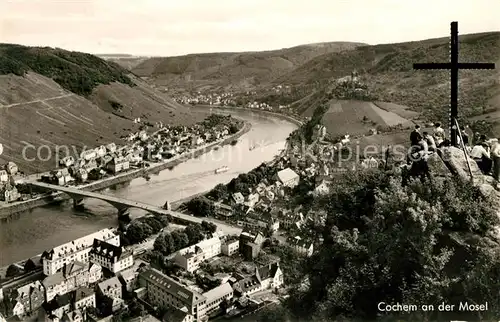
(43, 228)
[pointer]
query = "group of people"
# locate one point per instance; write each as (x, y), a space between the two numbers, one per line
(486, 153)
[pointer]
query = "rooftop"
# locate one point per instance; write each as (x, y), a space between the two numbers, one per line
(83, 293)
(286, 175)
(26, 289)
(76, 245)
(105, 249)
(203, 245)
(218, 292)
(75, 315)
(113, 282)
(62, 274)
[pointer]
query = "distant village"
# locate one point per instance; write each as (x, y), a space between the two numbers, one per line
(143, 150)
(232, 99)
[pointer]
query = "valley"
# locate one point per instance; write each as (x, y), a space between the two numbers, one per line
(309, 224)
(384, 70)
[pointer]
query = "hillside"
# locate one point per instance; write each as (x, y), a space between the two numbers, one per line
(359, 117)
(238, 71)
(388, 73)
(41, 103)
(128, 62)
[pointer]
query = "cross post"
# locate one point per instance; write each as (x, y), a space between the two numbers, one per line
(454, 66)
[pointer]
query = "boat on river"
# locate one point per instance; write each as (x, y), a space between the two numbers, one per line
(222, 169)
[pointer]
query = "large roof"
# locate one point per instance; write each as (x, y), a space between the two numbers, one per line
(286, 175)
(218, 292)
(108, 250)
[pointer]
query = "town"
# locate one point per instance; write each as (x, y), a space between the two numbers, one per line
(246, 99)
(143, 151)
(151, 266)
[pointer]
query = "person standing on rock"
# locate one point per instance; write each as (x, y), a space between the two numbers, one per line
(431, 143)
(481, 154)
(495, 155)
(439, 135)
(415, 135)
(419, 157)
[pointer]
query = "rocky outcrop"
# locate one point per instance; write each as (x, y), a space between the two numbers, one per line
(456, 161)
(437, 167)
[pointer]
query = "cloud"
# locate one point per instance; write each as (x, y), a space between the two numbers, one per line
(167, 27)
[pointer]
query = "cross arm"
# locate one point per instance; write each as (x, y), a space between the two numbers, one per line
(476, 66)
(422, 66)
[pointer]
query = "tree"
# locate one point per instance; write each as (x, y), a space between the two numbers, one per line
(138, 231)
(164, 244)
(13, 270)
(233, 128)
(422, 244)
(272, 314)
(208, 227)
(162, 219)
(180, 238)
(219, 192)
(194, 233)
(154, 223)
(201, 207)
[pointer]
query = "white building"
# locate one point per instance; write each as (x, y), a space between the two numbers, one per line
(231, 247)
(266, 277)
(76, 250)
(288, 177)
(112, 288)
(84, 298)
(70, 278)
(109, 256)
(4, 176)
(191, 257)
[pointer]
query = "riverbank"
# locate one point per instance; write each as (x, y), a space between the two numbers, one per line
(13, 210)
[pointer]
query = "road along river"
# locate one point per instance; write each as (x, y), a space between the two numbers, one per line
(43, 228)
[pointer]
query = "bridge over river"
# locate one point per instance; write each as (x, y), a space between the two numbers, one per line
(123, 205)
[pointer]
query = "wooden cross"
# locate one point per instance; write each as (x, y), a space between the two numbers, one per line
(454, 66)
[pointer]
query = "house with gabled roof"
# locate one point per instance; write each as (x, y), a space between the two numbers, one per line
(84, 298)
(251, 243)
(25, 299)
(57, 307)
(178, 315)
(112, 257)
(265, 277)
(73, 316)
(112, 289)
(69, 278)
(302, 246)
(238, 198)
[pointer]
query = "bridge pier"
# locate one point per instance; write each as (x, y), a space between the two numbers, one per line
(123, 212)
(78, 203)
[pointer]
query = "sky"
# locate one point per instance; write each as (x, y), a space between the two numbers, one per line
(170, 28)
